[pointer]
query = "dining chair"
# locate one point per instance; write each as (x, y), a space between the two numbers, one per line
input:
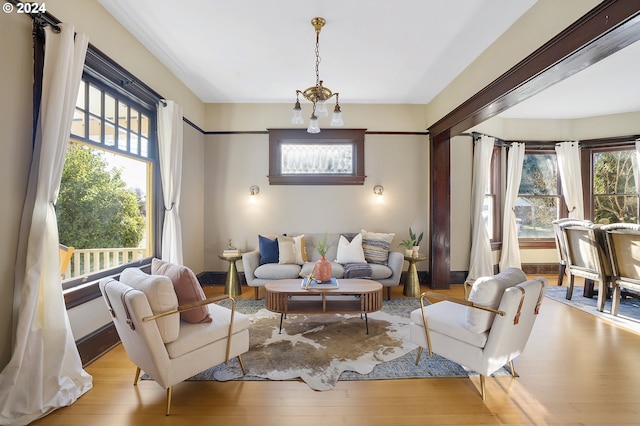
(586, 256)
(623, 247)
(561, 248)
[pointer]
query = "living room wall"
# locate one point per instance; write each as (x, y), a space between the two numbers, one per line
(233, 162)
(16, 87)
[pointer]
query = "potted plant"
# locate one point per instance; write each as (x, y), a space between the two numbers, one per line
(408, 246)
(322, 270)
(412, 245)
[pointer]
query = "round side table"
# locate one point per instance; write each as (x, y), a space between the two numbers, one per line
(232, 283)
(411, 283)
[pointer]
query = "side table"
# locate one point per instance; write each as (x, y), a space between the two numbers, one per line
(232, 283)
(411, 283)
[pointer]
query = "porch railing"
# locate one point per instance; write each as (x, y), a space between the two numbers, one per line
(87, 261)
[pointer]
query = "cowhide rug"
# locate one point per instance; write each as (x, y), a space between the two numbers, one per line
(318, 348)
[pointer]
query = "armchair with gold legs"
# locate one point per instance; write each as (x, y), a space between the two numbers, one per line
(146, 315)
(485, 332)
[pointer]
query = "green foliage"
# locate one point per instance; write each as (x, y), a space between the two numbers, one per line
(414, 240)
(323, 245)
(95, 209)
(614, 188)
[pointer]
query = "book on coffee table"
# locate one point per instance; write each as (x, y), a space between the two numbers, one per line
(306, 284)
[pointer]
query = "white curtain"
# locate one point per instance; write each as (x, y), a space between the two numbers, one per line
(510, 256)
(568, 154)
(480, 262)
(45, 371)
(170, 146)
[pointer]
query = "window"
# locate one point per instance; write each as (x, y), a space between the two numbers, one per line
(331, 157)
(614, 190)
(491, 207)
(539, 200)
(105, 205)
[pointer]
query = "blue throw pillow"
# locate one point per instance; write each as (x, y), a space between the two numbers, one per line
(269, 250)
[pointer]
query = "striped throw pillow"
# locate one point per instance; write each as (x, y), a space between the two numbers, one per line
(376, 246)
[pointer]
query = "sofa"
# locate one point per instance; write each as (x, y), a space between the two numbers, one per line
(352, 255)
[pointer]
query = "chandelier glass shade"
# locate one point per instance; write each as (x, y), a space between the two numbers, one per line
(318, 95)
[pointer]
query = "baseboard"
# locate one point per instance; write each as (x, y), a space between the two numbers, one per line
(96, 344)
(217, 278)
(540, 268)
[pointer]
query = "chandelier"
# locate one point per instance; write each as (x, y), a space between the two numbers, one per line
(318, 94)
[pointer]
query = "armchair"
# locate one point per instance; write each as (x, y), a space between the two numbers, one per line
(480, 336)
(623, 244)
(146, 315)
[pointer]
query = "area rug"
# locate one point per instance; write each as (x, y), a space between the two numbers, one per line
(628, 316)
(321, 349)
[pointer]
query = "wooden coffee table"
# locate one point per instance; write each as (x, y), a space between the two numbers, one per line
(353, 296)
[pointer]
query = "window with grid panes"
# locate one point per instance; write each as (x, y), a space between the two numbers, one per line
(105, 209)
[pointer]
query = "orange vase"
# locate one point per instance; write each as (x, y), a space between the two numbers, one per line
(322, 270)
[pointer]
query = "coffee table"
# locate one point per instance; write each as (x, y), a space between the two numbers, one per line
(352, 296)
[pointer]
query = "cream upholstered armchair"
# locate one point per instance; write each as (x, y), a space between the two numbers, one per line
(623, 247)
(146, 315)
(485, 332)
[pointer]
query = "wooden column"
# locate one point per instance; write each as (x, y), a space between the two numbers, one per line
(440, 210)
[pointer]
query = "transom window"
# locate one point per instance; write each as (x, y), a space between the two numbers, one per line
(111, 122)
(331, 157)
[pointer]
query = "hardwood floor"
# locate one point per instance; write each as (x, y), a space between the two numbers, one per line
(576, 369)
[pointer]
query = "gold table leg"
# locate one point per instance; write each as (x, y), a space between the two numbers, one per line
(412, 284)
(232, 284)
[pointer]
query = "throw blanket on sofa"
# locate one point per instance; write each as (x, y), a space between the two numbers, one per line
(357, 270)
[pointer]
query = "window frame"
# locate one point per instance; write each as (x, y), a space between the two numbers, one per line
(495, 192)
(103, 71)
(279, 137)
(155, 227)
(591, 147)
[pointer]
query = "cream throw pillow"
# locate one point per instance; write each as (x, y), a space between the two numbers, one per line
(487, 292)
(161, 296)
(350, 252)
(286, 250)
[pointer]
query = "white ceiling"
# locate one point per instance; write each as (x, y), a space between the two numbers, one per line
(611, 86)
(373, 51)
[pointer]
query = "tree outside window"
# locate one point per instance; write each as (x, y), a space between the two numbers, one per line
(538, 200)
(615, 196)
(104, 206)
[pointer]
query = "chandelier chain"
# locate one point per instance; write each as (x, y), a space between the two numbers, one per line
(318, 59)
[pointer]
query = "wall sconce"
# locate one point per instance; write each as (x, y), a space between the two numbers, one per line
(378, 190)
(253, 191)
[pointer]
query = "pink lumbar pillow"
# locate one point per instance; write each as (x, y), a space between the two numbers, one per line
(187, 289)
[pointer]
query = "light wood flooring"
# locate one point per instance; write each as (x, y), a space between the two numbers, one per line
(576, 369)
